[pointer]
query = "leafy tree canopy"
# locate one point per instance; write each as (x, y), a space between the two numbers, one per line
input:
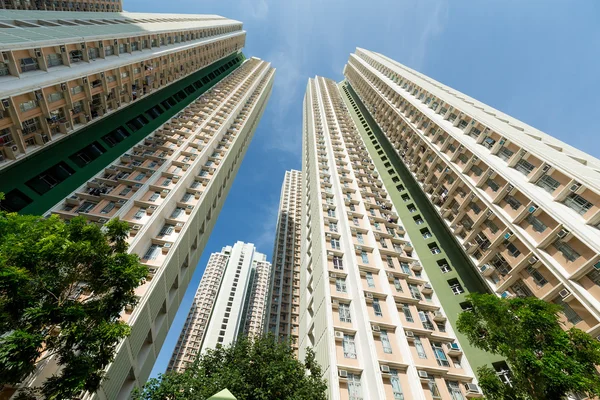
(62, 289)
(546, 362)
(252, 369)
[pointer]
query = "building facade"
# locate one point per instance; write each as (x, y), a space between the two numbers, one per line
(284, 291)
(524, 206)
(90, 85)
(55, 5)
(170, 188)
(367, 307)
(230, 301)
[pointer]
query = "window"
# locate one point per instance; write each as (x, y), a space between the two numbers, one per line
(577, 203)
(152, 252)
(536, 223)
(139, 213)
(476, 170)
(344, 312)
(364, 256)
(331, 213)
(125, 191)
(548, 183)
(426, 234)
(166, 230)
(492, 185)
(594, 276)
(333, 227)
(340, 285)
(154, 196)
(524, 167)
(537, 276)
(377, 308)
(491, 225)
(407, 313)
(433, 389)
(56, 96)
(397, 284)
(370, 280)
(395, 382)
(512, 202)
(349, 346)
(385, 342)
(439, 354)
(176, 212)
(505, 153)
(513, 250)
(414, 291)
(335, 243)
(337, 262)
(359, 238)
(455, 287)
(566, 250)
(419, 347)
(86, 206)
(425, 320)
(139, 176)
(405, 268)
(108, 208)
(454, 390)
(355, 221)
(570, 314)
(354, 387)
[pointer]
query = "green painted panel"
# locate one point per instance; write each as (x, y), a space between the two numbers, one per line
(395, 175)
(16, 176)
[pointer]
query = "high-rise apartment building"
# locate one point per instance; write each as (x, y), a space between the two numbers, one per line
(230, 301)
(524, 206)
(284, 292)
(80, 88)
(367, 306)
(56, 5)
(170, 185)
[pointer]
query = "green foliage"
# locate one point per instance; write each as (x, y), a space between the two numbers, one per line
(546, 361)
(62, 289)
(259, 369)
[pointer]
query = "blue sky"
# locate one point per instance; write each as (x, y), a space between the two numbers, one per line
(536, 60)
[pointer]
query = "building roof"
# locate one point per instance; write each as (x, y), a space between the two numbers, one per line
(29, 28)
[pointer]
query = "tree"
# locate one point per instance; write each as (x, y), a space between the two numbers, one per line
(546, 361)
(62, 289)
(252, 369)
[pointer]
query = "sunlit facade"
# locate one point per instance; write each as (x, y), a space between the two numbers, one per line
(367, 307)
(524, 206)
(230, 301)
(169, 187)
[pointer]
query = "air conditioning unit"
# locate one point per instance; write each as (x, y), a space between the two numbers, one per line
(342, 373)
(136, 227)
(5, 103)
(14, 148)
(335, 302)
(339, 334)
(562, 233)
(410, 334)
(509, 188)
(63, 49)
(533, 208)
(385, 369)
(84, 79)
(369, 295)
(63, 87)
(575, 187)
(489, 213)
(546, 168)
(491, 172)
(423, 374)
(564, 293)
(38, 53)
(102, 220)
(508, 235)
(475, 158)
(82, 46)
(122, 201)
(390, 276)
(472, 388)
(375, 328)
(333, 275)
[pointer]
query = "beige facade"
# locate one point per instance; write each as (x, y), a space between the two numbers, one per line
(367, 307)
(170, 188)
(524, 205)
(230, 301)
(284, 290)
(56, 5)
(61, 71)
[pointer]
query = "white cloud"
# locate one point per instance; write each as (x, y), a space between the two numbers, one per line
(266, 231)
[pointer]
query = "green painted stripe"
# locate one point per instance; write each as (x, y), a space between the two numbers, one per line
(379, 147)
(15, 176)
